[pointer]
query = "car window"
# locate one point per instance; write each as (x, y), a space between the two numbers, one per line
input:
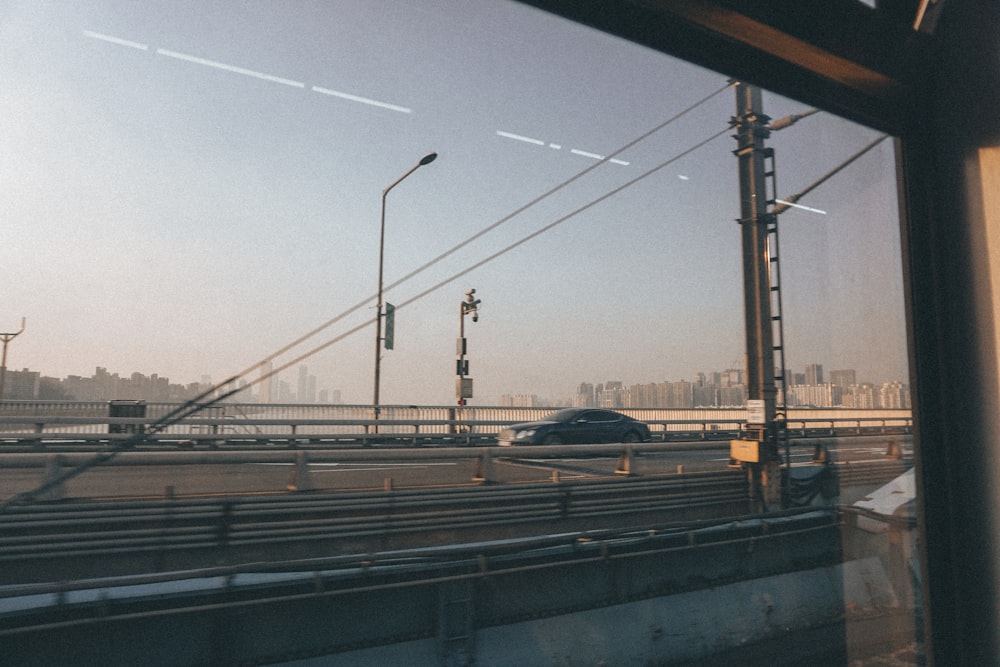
(562, 416)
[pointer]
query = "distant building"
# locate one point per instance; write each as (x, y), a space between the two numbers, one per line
(814, 374)
(584, 397)
(811, 395)
(642, 396)
(705, 396)
(731, 377)
(732, 396)
(894, 395)
(612, 396)
(861, 396)
(843, 379)
(306, 387)
(21, 385)
(520, 401)
(267, 393)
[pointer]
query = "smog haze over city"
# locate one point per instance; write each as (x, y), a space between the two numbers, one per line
(185, 193)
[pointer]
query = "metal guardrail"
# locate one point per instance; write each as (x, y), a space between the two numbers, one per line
(452, 425)
(232, 614)
(103, 539)
(84, 539)
(72, 422)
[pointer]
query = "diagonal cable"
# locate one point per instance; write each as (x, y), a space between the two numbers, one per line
(195, 405)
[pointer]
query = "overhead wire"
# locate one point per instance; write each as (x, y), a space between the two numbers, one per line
(505, 219)
(793, 199)
(455, 276)
(219, 392)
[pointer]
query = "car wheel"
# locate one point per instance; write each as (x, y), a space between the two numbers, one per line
(552, 440)
(632, 436)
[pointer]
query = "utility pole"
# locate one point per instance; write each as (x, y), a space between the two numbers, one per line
(6, 338)
(759, 451)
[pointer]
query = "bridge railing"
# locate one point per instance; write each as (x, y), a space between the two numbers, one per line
(68, 420)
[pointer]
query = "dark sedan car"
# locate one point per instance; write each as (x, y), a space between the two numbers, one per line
(575, 425)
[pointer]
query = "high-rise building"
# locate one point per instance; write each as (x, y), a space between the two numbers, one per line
(705, 396)
(894, 395)
(814, 374)
(267, 384)
(303, 386)
(812, 395)
(612, 396)
(731, 377)
(21, 385)
(843, 379)
(861, 396)
(519, 401)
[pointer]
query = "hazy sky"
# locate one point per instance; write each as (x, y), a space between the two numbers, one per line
(188, 186)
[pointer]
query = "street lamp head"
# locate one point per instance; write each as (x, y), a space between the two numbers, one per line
(427, 159)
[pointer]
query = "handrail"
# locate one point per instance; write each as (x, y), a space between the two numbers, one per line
(451, 422)
(129, 537)
(67, 536)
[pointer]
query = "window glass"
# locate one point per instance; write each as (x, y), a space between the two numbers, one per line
(192, 186)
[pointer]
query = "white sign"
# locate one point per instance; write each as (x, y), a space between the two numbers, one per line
(755, 411)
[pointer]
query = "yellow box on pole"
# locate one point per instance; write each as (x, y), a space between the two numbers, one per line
(747, 451)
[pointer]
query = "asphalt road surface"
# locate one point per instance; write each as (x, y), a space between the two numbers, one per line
(509, 466)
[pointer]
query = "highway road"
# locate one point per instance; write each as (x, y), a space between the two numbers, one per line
(509, 466)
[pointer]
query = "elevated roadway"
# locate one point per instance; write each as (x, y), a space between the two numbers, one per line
(144, 473)
(118, 520)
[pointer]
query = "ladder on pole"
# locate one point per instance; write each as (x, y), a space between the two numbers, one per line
(777, 319)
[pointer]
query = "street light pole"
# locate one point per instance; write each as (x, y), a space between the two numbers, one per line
(425, 160)
(6, 338)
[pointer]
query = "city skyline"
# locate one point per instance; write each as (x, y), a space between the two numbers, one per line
(26, 384)
(187, 196)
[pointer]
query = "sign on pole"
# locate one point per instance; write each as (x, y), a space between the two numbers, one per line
(390, 322)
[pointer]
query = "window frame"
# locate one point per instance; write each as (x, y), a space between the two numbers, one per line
(933, 89)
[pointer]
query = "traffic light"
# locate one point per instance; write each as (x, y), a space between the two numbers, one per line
(390, 322)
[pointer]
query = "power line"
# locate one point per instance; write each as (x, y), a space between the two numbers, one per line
(194, 405)
(507, 218)
(563, 219)
(560, 186)
(490, 258)
(791, 201)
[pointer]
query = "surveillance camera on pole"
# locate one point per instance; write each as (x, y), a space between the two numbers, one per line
(463, 384)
